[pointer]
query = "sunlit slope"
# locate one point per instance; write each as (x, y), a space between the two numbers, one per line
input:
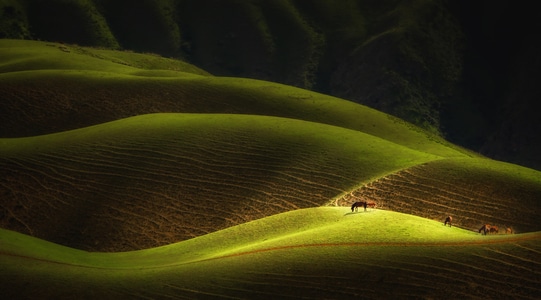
(473, 191)
(87, 87)
(156, 179)
(314, 253)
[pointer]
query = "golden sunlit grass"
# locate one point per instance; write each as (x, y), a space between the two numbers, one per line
(299, 228)
(353, 146)
(184, 169)
(287, 247)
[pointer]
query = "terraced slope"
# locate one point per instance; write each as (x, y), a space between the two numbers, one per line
(220, 169)
(474, 192)
(157, 179)
(247, 150)
(47, 90)
(318, 253)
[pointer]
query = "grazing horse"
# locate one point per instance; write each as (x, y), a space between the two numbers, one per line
(449, 219)
(355, 206)
(485, 228)
(493, 229)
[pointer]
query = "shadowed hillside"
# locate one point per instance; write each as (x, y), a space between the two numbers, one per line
(158, 179)
(49, 87)
(466, 70)
(474, 193)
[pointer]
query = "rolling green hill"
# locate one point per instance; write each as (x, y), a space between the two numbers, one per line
(310, 253)
(465, 69)
(201, 186)
(190, 174)
(23, 55)
(78, 90)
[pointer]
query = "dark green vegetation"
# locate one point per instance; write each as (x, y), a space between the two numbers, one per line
(466, 70)
(181, 184)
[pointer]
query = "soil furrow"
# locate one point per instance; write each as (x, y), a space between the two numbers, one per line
(411, 191)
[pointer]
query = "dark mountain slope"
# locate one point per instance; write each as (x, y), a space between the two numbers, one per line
(500, 82)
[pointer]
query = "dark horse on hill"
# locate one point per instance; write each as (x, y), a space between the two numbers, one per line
(485, 228)
(492, 229)
(355, 206)
(449, 219)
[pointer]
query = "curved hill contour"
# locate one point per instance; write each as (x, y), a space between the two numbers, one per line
(473, 192)
(156, 179)
(211, 190)
(316, 253)
(76, 90)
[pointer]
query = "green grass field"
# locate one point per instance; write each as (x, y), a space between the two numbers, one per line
(127, 175)
(290, 250)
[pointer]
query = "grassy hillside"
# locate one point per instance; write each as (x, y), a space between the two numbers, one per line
(473, 191)
(313, 253)
(103, 86)
(223, 186)
(190, 175)
(22, 55)
(156, 179)
(50, 88)
(431, 63)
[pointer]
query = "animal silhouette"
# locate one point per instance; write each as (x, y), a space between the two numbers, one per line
(448, 220)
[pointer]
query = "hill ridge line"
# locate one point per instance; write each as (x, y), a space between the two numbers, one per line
(391, 244)
(351, 244)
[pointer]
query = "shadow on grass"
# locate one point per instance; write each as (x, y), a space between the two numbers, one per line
(358, 212)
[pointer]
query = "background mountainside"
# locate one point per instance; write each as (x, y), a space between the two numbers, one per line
(464, 69)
